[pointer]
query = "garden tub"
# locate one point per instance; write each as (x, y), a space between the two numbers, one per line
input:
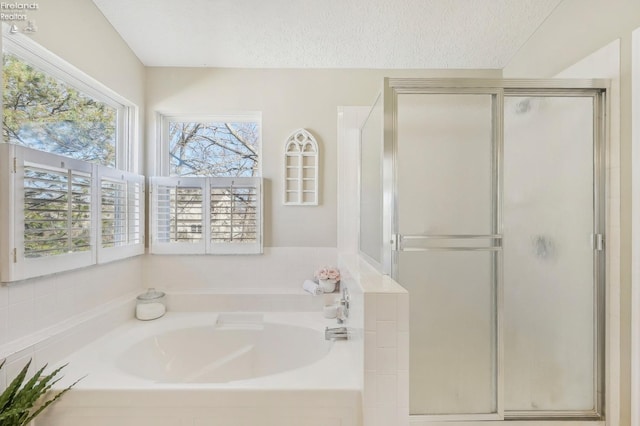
(200, 369)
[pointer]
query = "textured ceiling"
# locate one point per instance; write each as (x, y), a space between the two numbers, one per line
(326, 33)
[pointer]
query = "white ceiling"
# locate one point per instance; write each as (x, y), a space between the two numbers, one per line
(326, 33)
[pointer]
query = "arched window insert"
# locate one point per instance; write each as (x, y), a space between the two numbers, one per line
(301, 169)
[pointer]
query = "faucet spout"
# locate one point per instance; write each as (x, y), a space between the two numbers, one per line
(336, 333)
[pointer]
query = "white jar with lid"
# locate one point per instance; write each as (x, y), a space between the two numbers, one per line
(150, 305)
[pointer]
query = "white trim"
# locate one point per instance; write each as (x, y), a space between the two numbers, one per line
(635, 244)
(127, 144)
(7, 215)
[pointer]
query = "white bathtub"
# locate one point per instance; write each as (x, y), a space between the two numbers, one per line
(200, 369)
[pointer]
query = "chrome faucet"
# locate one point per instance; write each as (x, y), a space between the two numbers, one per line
(336, 333)
(343, 307)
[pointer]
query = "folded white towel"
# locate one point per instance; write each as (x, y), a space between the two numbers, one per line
(312, 287)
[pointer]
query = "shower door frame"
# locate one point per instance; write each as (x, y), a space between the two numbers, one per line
(392, 240)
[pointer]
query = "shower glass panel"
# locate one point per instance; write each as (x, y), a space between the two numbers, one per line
(446, 225)
(371, 147)
(452, 342)
(549, 291)
(445, 163)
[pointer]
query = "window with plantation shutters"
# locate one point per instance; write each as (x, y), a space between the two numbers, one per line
(60, 213)
(235, 215)
(177, 220)
(209, 198)
(200, 215)
(121, 215)
(57, 211)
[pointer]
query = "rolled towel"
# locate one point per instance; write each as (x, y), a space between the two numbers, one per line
(312, 287)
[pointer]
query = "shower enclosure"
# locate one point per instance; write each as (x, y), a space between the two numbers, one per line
(489, 195)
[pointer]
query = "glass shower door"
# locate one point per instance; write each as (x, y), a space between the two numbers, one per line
(448, 248)
(496, 217)
(550, 290)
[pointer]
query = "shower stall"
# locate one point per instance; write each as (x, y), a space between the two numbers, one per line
(486, 200)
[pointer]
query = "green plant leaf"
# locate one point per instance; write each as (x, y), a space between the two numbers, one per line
(28, 394)
(20, 397)
(39, 384)
(14, 412)
(7, 397)
(52, 400)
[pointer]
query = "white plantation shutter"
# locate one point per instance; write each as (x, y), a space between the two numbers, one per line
(57, 211)
(121, 215)
(48, 216)
(51, 214)
(200, 215)
(178, 206)
(235, 216)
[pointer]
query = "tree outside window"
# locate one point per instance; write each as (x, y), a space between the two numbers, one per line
(45, 113)
(217, 149)
(214, 149)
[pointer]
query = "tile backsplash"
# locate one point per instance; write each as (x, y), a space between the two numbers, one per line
(279, 268)
(385, 331)
(31, 306)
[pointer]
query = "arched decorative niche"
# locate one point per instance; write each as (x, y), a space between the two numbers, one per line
(301, 158)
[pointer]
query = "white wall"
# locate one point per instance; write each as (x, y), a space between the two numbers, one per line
(575, 30)
(76, 31)
(350, 119)
(288, 99)
(297, 239)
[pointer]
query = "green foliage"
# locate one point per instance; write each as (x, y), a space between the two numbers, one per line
(24, 398)
(44, 113)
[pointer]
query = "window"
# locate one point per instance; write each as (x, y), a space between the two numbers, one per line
(60, 213)
(66, 200)
(224, 146)
(211, 201)
(50, 106)
(121, 209)
(44, 113)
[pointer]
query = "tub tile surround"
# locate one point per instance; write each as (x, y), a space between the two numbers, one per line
(385, 336)
(46, 319)
(277, 270)
(54, 343)
(32, 306)
(258, 301)
(34, 311)
(200, 283)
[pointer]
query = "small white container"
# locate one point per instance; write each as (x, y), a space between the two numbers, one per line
(150, 305)
(328, 286)
(330, 311)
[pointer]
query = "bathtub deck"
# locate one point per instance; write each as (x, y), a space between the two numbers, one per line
(325, 393)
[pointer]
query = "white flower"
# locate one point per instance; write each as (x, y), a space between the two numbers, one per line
(334, 274)
(328, 273)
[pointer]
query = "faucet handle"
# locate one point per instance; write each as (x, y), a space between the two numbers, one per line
(343, 307)
(345, 297)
